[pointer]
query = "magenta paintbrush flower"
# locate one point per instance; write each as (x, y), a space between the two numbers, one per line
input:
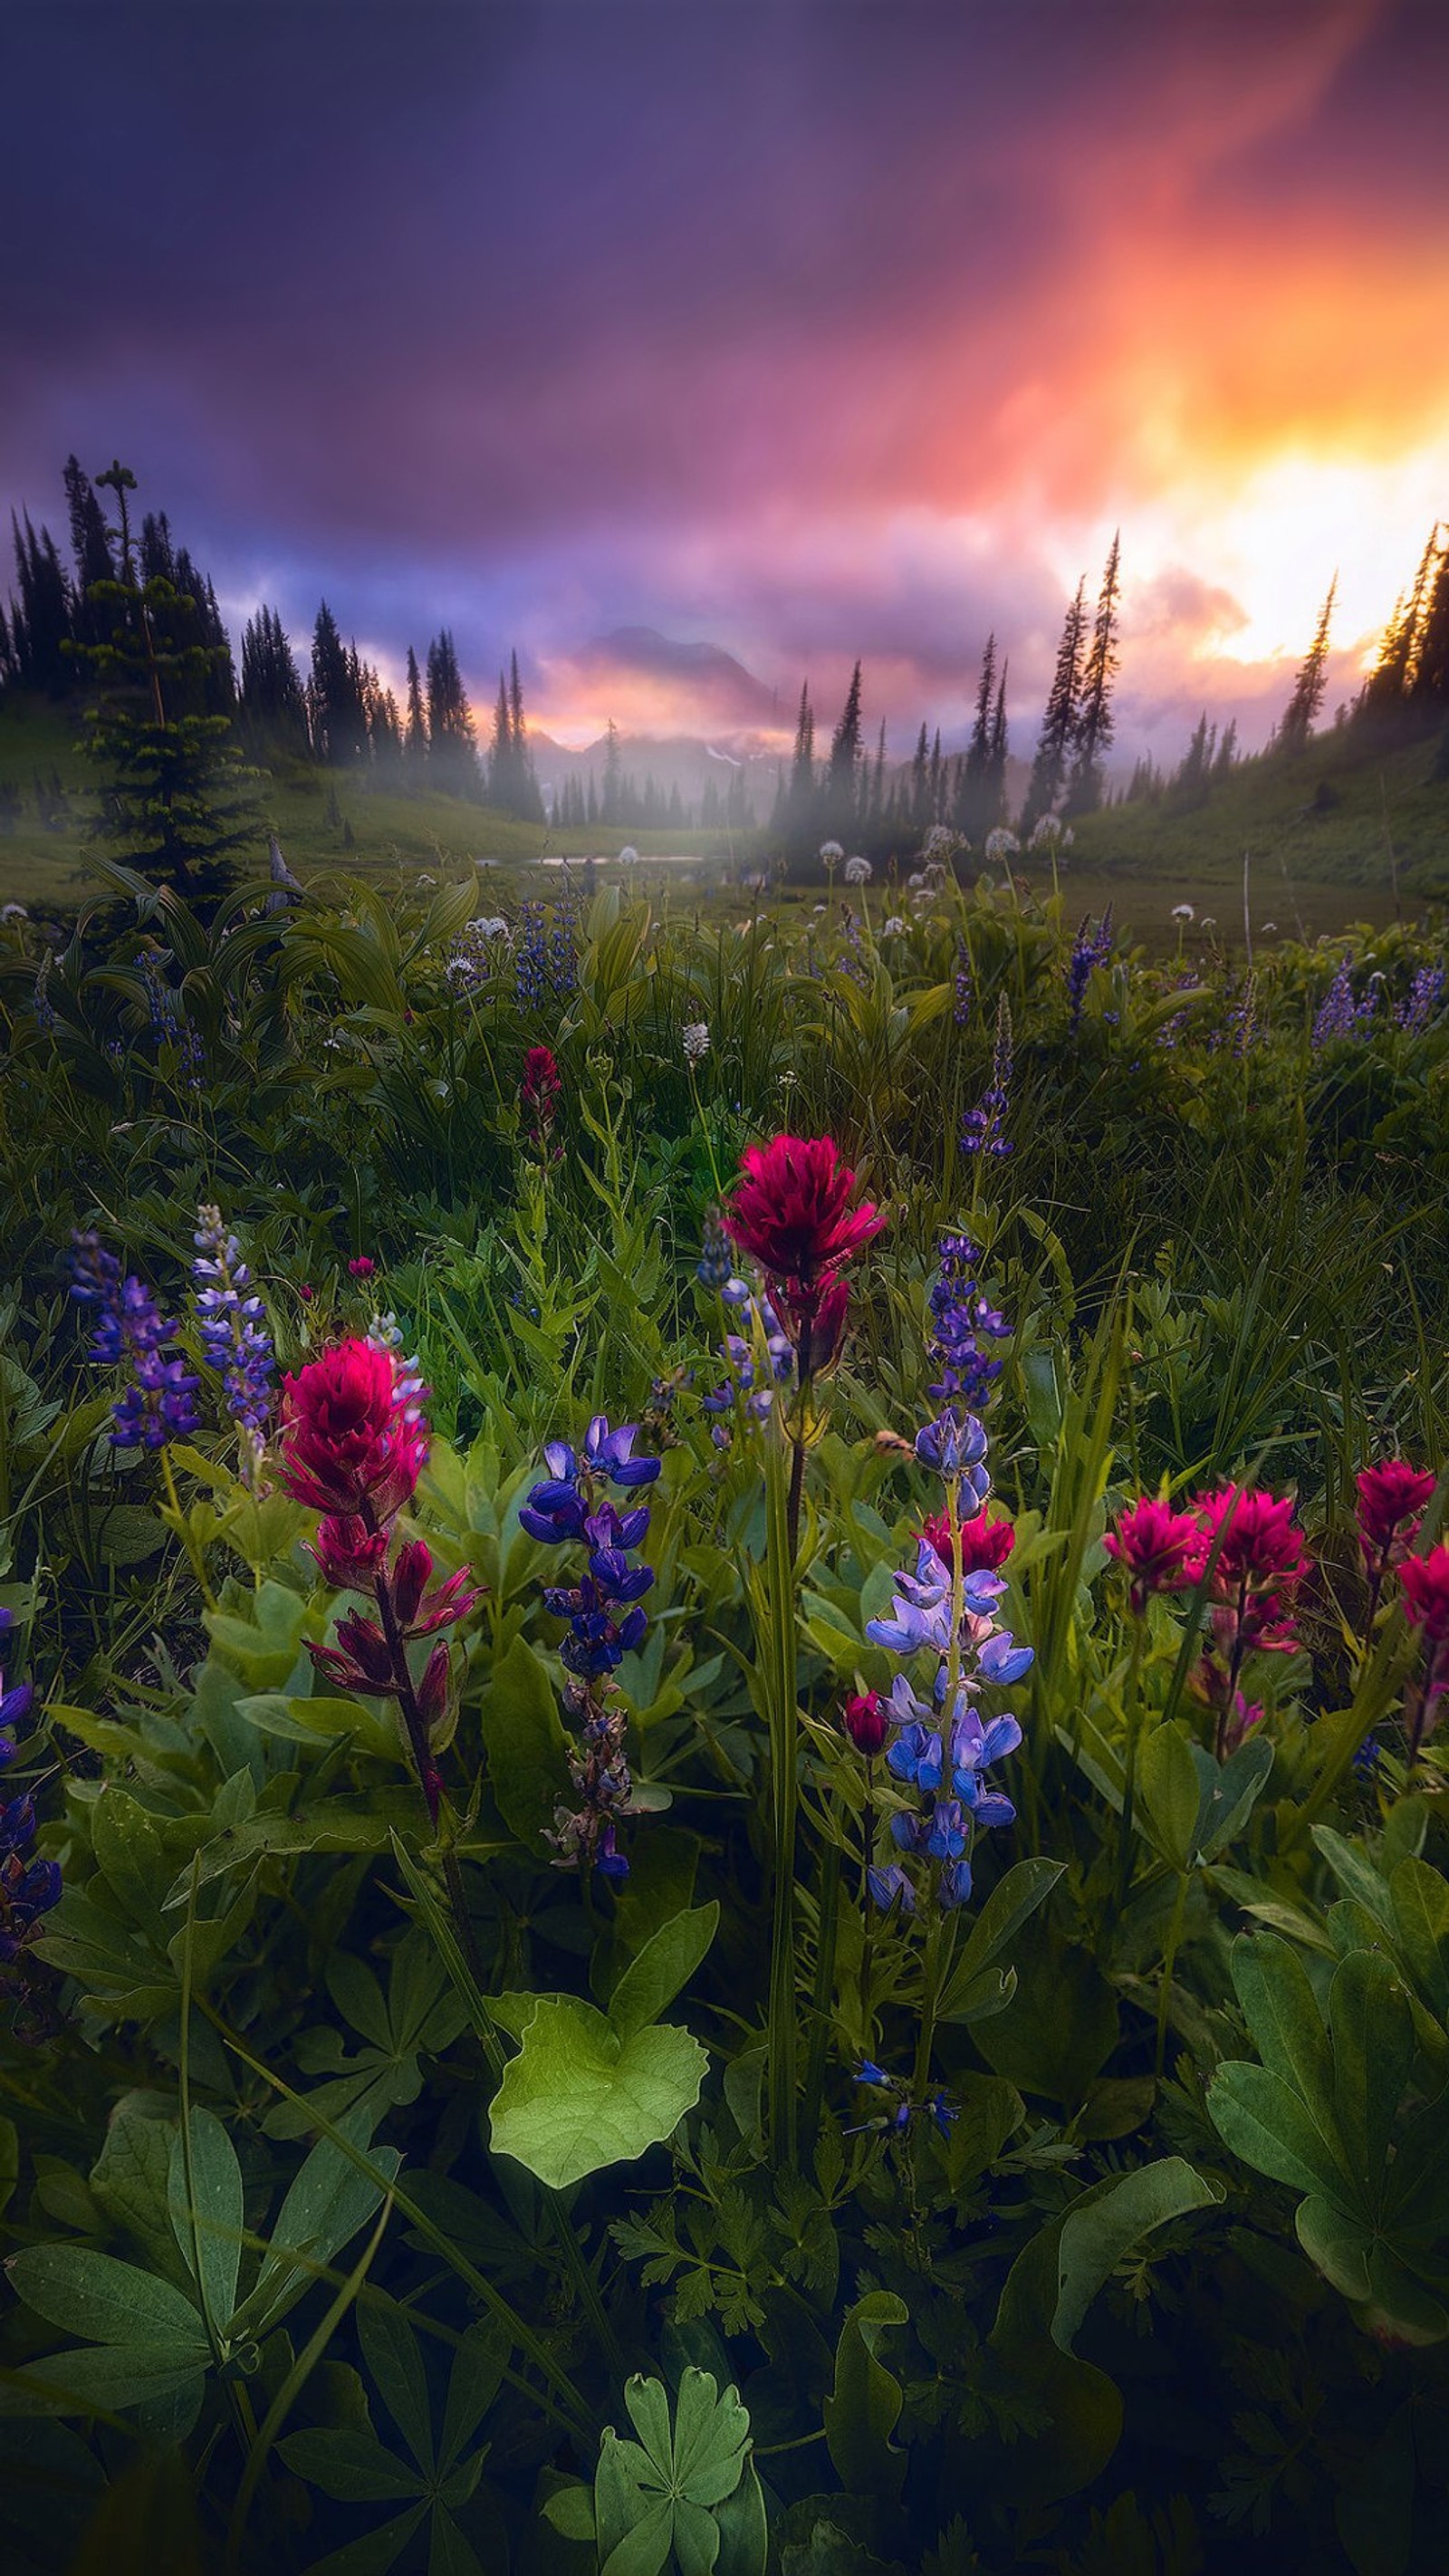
(1161, 1549)
(1391, 1497)
(792, 1213)
(353, 1441)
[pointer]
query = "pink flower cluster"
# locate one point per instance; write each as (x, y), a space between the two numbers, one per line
(792, 1213)
(353, 1443)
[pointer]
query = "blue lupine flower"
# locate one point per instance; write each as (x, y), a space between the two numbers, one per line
(1090, 949)
(937, 2106)
(16, 1701)
(942, 1748)
(715, 1266)
(605, 1624)
(961, 1006)
(28, 1888)
(157, 1406)
(1424, 997)
(983, 1128)
(232, 1319)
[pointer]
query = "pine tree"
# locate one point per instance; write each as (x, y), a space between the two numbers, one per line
(1302, 709)
(415, 741)
(40, 618)
(1094, 724)
(90, 547)
(334, 703)
(972, 814)
(801, 793)
(612, 800)
(272, 707)
(175, 796)
(452, 752)
(1059, 721)
(842, 776)
(996, 770)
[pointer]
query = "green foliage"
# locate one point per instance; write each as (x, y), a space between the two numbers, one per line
(351, 2169)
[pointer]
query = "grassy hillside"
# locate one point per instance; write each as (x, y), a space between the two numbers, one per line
(323, 820)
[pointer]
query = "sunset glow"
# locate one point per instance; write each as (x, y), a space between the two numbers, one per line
(758, 331)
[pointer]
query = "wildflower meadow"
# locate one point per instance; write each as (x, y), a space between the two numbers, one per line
(725, 1628)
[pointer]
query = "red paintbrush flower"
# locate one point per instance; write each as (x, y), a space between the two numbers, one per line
(985, 1544)
(1259, 1560)
(1426, 1594)
(540, 1090)
(352, 1442)
(1390, 1495)
(792, 1214)
(1161, 1549)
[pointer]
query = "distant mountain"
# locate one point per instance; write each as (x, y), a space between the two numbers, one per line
(717, 691)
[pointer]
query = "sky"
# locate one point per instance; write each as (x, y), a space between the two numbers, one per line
(803, 331)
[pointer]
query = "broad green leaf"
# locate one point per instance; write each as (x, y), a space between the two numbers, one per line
(130, 2177)
(1419, 1895)
(665, 1964)
(1373, 2049)
(477, 2375)
(1281, 2011)
(1265, 2122)
(131, 1857)
(376, 2551)
(524, 1740)
(578, 2097)
(93, 2294)
(1097, 2232)
(217, 2218)
(1060, 2027)
(1171, 1792)
(863, 2408)
(1230, 1791)
(107, 2376)
(711, 2437)
(1355, 1874)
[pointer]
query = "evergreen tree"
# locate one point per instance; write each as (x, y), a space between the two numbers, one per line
(919, 814)
(415, 741)
(1094, 724)
(90, 546)
(973, 813)
(611, 801)
(1227, 751)
(801, 793)
(272, 706)
(452, 753)
(40, 618)
(996, 767)
(1302, 709)
(1190, 784)
(1059, 721)
(174, 795)
(334, 700)
(842, 777)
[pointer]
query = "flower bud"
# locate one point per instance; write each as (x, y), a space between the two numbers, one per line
(865, 1721)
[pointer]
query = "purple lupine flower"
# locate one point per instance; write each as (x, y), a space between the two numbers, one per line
(28, 1887)
(16, 1699)
(160, 999)
(983, 1128)
(1090, 949)
(902, 2110)
(157, 1406)
(1424, 998)
(1337, 1017)
(715, 1266)
(943, 1748)
(232, 1319)
(959, 1314)
(605, 1621)
(964, 992)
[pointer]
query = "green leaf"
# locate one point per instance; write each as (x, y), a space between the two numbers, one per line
(351, 2465)
(1230, 1790)
(1171, 1792)
(1372, 2029)
(1060, 2027)
(218, 2222)
(524, 1740)
(390, 2349)
(9, 2160)
(328, 2201)
(130, 2177)
(115, 2303)
(578, 2097)
(864, 2406)
(1265, 2122)
(1014, 1897)
(1419, 1896)
(711, 2438)
(665, 1964)
(1098, 2231)
(1281, 2011)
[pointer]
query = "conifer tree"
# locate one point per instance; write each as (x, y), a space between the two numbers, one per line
(415, 741)
(334, 704)
(272, 705)
(801, 795)
(973, 814)
(90, 550)
(842, 777)
(1059, 721)
(175, 796)
(1302, 709)
(40, 618)
(996, 769)
(452, 753)
(1094, 723)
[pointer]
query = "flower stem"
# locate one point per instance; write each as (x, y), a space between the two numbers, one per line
(1169, 1962)
(1129, 1773)
(784, 1794)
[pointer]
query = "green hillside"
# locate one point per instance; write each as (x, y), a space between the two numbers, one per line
(323, 819)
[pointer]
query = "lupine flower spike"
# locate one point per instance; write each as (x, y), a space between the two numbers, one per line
(29, 1888)
(606, 1622)
(234, 1333)
(158, 1405)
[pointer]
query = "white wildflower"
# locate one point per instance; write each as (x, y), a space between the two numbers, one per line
(832, 853)
(13, 912)
(628, 856)
(1001, 844)
(858, 871)
(1183, 912)
(895, 923)
(1048, 830)
(696, 1041)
